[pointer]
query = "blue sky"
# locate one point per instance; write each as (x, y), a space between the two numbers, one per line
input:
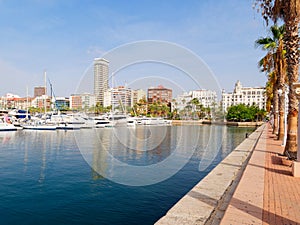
(63, 38)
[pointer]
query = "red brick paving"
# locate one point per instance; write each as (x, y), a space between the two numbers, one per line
(281, 190)
(273, 198)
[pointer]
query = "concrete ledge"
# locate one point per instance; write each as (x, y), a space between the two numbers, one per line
(237, 124)
(199, 204)
(186, 122)
(296, 169)
(208, 122)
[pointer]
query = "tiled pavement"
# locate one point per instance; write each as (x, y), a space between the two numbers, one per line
(267, 192)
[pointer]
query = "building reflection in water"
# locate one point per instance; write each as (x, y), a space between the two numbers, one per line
(139, 156)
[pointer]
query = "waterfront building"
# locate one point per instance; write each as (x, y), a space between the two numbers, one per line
(137, 95)
(75, 101)
(42, 102)
(159, 94)
(82, 101)
(7, 101)
(107, 98)
(61, 103)
(101, 71)
(10, 101)
(244, 95)
(121, 96)
(22, 103)
(206, 98)
(88, 100)
(39, 91)
(118, 97)
(181, 101)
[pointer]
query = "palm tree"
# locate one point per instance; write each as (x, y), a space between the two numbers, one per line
(274, 62)
(195, 103)
(164, 110)
(269, 90)
(288, 10)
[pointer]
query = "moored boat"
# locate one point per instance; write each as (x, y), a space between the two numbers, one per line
(154, 121)
(65, 122)
(131, 122)
(4, 126)
(102, 122)
(37, 124)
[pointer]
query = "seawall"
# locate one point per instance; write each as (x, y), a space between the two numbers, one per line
(200, 122)
(210, 197)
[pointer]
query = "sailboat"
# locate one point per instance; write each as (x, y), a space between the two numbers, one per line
(36, 123)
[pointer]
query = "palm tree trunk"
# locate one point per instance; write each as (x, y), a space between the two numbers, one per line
(292, 45)
(275, 110)
(281, 81)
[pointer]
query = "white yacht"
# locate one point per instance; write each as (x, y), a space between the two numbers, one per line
(4, 126)
(118, 119)
(65, 122)
(39, 125)
(102, 122)
(153, 121)
(131, 122)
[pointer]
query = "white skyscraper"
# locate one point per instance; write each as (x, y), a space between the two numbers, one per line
(100, 78)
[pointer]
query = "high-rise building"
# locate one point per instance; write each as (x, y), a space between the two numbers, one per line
(39, 91)
(101, 71)
(159, 94)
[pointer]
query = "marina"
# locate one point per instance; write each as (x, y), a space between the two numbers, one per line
(53, 120)
(150, 112)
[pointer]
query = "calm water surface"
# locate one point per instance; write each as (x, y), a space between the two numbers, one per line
(46, 178)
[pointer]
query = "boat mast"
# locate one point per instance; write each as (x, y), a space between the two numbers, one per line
(45, 98)
(112, 92)
(125, 108)
(27, 102)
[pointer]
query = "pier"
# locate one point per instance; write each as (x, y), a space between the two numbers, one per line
(250, 186)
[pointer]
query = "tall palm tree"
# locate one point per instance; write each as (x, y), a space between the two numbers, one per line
(274, 62)
(269, 90)
(267, 65)
(289, 11)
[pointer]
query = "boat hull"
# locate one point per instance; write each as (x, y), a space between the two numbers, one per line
(39, 127)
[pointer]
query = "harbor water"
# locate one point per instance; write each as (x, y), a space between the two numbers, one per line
(108, 175)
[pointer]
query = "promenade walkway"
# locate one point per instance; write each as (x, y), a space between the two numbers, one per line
(267, 192)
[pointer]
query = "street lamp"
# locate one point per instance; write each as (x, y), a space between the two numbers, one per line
(296, 164)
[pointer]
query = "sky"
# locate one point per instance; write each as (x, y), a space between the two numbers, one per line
(62, 37)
